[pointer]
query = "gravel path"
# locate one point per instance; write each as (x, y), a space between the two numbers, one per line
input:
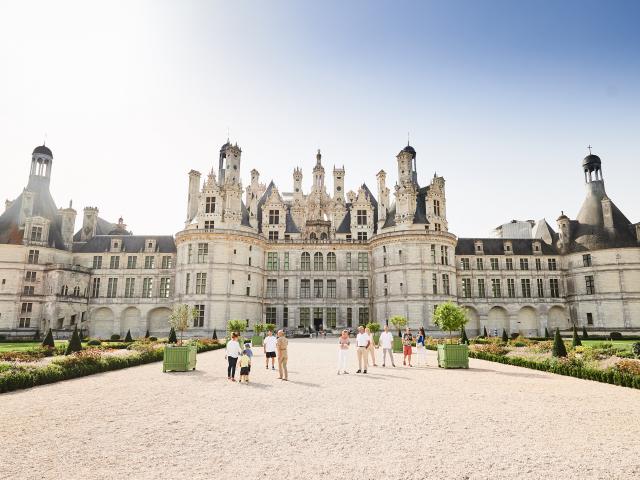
(491, 421)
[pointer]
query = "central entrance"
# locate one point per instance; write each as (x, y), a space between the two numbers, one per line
(317, 319)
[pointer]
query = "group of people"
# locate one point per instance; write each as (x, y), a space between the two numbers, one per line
(274, 347)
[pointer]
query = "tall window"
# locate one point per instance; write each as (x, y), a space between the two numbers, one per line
(511, 287)
(479, 264)
(331, 317)
(538, 264)
(147, 287)
(187, 284)
(286, 261)
(349, 317)
(590, 285)
(272, 287)
(494, 264)
(274, 217)
(433, 254)
(30, 276)
(526, 287)
(285, 317)
(112, 287)
(363, 261)
(331, 261)
(436, 208)
(317, 261)
(129, 287)
(496, 287)
(95, 288)
(524, 264)
(305, 288)
(362, 236)
(305, 314)
(363, 288)
(285, 288)
(271, 315)
(481, 288)
(509, 263)
(434, 282)
(203, 252)
(114, 262)
(274, 235)
(363, 315)
(149, 261)
(589, 318)
(36, 234)
(444, 255)
(540, 284)
(131, 261)
(361, 217)
(210, 205)
(552, 264)
(165, 287)
(166, 261)
(201, 283)
(554, 288)
(445, 283)
(305, 261)
(349, 265)
(586, 260)
(189, 253)
(209, 224)
(272, 261)
(33, 256)
(198, 320)
(331, 288)
(466, 287)
(349, 288)
(97, 262)
(317, 288)
(465, 264)
(30, 290)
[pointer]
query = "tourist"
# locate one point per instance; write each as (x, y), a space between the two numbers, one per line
(245, 366)
(386, 341)
(420, 347)
(362, 343)
(281, 347)
(232, 354)
(371, 349)
(269, 346)
(343, 350)
(407, 339)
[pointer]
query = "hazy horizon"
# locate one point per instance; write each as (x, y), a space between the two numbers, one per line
(500, 98)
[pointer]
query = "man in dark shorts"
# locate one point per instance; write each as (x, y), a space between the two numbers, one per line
(269, 346)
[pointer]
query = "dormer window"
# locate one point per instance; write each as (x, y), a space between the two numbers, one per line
(274, 217)
(508, 247)
(36, 234)
(361, 216)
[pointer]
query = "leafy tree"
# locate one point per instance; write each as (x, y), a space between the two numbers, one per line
(463, 337)
(181, 317)
(505, 337)
(399, 322)
(172, 336)
(48, 340)
(75, 345)
(546, 333)
(559, 348)
(258, 328)
(237, 326)
(373, 327)
(450, 318)
(576, 339)
(128, 337)
(270, 327)
(585, 336)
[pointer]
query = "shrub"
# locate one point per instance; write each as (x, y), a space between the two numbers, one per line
(636, 349)
(520, 341)
(215, 335)
(172, 336)
(505, 337)
(153, 339)
(128, 337)
(399, 322)
(75, 345)
(576, 340)
(615, 336)
(259, 328)
(373, 327)
(146, 335)
(546, 333)
(48, 340)
(270, 326)
(484, 332)
(94, 342)
(631, 367)
(115, 337)
(585, 336)
(559, 348)
(463, 337)
(492, 348)
(31, 355)
(542, 347)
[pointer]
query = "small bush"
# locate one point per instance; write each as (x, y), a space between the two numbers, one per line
(94, 342)
(128, 337)
(484, 332)
(215, 335)
(631, 367)
(559, 348)
(153, 339)
(576, 340)
(172, 336)
(115, 337)
(146, 335)
(48, 340)
(615, 336)
(585, 336)
(542, 347)
(75, 345)
(463, 338)
(636, 349)
(492, 348)
(546, 333)
(505, 337)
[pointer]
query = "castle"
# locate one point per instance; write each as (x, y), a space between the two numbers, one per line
(311, 260)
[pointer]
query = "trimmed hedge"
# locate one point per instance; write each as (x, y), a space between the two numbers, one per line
(28, 377)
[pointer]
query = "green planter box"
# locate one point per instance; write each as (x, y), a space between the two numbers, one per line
(453, 356)
(179, 358)
(397, 345)
(256, 340)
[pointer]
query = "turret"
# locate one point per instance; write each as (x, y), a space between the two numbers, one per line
(338, 184)
(67, 225)
(407, 166)
(564, 232)
(297, 182)
(383, 197)
(318, 173)
(89, 224)
(231, 155)
(41, 163)
(194, 195)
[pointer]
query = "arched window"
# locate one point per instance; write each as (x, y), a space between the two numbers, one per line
(313, 236)
(331, 261)
(323, 236)
(317, 261)
(305, 261)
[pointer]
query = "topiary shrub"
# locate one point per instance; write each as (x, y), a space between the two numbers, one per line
(584, 333)
(559, 348)
(505, 337)
(128, 337)
(153, 339)
(636, 349)
(484, 332)
(546, 333)
(463, 337)
(75, 345)
(48, 340)
(576, 340)
(94, 342)
(146, 335)
(615, 336)
(215, 335)
(172, 336)
(115, 337)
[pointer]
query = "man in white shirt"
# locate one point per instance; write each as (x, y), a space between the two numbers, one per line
(362, 343)
(233, 352)
(386, 342)
(269, 345)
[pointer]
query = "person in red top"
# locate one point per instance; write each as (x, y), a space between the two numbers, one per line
(407, 339)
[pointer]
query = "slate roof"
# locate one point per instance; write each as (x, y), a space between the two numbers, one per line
(345, 225)
(495, 246)
(130, 243)
(103, 227)
(291, 226)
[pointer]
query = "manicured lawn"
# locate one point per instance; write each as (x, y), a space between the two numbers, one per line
(20, 346)
(622, 344)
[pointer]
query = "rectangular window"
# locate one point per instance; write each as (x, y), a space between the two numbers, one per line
(479, 264)
(317, 288)
(166, 261)
(95, 288)
(272, 261)
(349, 317)
(445, 283)
(494, 264)
(363, 288)
(165, 287)
(271, 315)
(36, 234)
(274, 217)
(33, 256)
(465, 264)
(525, 283)
(198, 319)
(286, 261)
(331, 289)
(524, 264)
(361, 217)
(552, 264)
(285, 288)
(433, 254)
(28, 290)
(209, 225)
(362, 236)
(132, 260)
(272, 288)
(203, 252)
(363, 315)
(97, 262)
(285, 317)
(30, 276)
(147, 287)
(434, 282)
(318, 263)
(496, 287)
(273, 235)
(26, 307)
(201, 283)
(305, 288)
(444, 255)
(248, 291)
(149, 261)
(114, 262)
(210, 205)
(363, 261)
(540, 284)
(187, 284)
(305, 315)
(112, 288)
(589, 318)
(511, 288)
(554, 288)
(331, 261)
(25, 322)
(466, 287)
(590, 285)
(538, 264)
(509, 263)
(129, 287)
(331, 317)
(189, 253)
(349, 266)
(349, 288)
(436, 208)
(481, 288)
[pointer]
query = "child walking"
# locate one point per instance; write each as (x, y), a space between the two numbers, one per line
(245, 366)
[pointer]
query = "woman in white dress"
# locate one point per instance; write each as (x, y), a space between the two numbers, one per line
(343, 351)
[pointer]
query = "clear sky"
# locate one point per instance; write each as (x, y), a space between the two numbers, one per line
(500, 97)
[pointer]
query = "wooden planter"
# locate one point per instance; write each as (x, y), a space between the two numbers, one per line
(397, 344)
(179, 358)
(256, 340)
(453, 356)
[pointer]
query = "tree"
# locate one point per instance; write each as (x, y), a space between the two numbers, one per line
(270, 327)
(559, 348)
(48, 340)
(399, 322)
(450, 318)
(237, 326)
(505, 337)
(585, 336)
(172, 336)
(181, 317)
(215, 335)
(484, 332)
(576, 340)
(373, 327)
(258, 328)
(75, 345)
(546, 333)
(128, 337)
(463, 337)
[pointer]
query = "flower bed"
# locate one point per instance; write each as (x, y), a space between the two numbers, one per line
(15, 376)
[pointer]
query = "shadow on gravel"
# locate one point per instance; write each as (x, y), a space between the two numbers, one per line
(304, 384)
(534, 374)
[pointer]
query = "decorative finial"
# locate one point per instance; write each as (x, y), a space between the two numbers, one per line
(227, 134)
(318, 156)
(589, 147)
(408, 139)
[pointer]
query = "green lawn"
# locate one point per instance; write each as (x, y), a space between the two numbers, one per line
(20, 346)
(622, 344)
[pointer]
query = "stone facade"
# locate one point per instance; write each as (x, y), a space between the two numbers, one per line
(312, 260)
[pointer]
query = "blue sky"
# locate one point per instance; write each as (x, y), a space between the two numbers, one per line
(500, 97)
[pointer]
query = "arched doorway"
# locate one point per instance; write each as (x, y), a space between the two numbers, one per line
(557, 318)
(473, 325)
(528, 322)
(158, 320)
(497, 320)
(101, 323)
(131, 321)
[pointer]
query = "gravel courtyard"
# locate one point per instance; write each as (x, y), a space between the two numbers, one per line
(491, 421)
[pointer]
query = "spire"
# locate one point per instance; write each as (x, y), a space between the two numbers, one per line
(589, 147)
(318, 158)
